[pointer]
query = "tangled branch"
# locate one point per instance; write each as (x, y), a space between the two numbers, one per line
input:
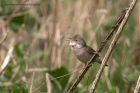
(119, 20)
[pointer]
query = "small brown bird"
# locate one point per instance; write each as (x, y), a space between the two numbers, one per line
(81, 50)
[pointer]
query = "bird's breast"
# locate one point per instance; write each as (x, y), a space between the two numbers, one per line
(82, 55)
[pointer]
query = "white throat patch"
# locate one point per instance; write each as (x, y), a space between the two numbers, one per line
(73, 44)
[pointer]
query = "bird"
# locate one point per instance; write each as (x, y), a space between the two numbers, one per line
(82, 51)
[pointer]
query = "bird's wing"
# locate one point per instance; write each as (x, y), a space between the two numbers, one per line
(90, 50)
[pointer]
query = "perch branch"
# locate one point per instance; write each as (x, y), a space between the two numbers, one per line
(112, 45)
(85, 69)
(48, 83)
(137, 88)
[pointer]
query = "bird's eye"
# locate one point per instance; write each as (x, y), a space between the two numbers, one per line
(76, 40)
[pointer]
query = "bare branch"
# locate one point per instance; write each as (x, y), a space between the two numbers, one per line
(113, 43)
(7, 59)
(85, 69)
(137, 88)
(30, 70)
(48, 82)
(33, 75)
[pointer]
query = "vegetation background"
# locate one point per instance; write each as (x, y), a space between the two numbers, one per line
(42, 61)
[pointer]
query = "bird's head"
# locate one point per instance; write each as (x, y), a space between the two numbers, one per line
(77, 42)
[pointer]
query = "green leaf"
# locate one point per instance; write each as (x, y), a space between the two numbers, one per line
(20, 49)
(59, 74)
(20, 52)
(16, 22)
(26, 19)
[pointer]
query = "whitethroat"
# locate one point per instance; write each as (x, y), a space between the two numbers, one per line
(81, 50)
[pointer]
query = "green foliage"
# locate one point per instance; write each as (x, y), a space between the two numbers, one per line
(130, 28)
(108, 25)
(58, 73)
(26, 19)
(14, 72)
(102, 87)
(7, 6)
(117, 52)
(16, 22)
(20, 50)
(22, 88)
(29, 22)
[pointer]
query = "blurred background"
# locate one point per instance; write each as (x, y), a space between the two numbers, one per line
(42, 61)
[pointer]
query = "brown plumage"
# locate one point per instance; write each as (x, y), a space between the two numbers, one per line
(81, 50)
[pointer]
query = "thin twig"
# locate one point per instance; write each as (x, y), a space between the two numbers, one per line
(7, 59)
(113, 43)
(53, 79)
(137, 88)
(118, 21)
(31, 87)
(48, 82)
(30, 70)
